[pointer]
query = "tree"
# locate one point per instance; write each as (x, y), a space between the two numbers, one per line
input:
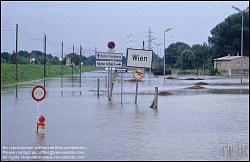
(173, 52)
(91, 60)
(5, 57)
(201, 52)
(226, 36)
(187, 59)
(24, 58)
(156, 61)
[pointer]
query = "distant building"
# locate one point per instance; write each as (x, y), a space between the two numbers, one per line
(32, 60)
(68, 61)
(231, 65)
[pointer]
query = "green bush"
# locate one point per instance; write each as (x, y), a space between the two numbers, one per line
(213, 71)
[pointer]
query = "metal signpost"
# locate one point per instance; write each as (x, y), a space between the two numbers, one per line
(104, 59)
(138, 74)
(109, 60)
(121, 70)
(38, 94)
(139, 58)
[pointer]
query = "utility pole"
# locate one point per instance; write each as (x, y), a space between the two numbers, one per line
(16, 57)
(16, 52)
(62, 66)
(80, 64)
(44, 67)
(150, 39)
(164, 61)
(157, 44)
(241, 44)
(72, 60)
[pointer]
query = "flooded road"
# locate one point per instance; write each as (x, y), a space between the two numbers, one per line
(188, 125)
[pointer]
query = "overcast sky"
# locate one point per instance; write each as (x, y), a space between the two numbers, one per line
(95, 23)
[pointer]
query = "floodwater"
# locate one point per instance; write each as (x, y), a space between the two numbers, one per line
(190, 124)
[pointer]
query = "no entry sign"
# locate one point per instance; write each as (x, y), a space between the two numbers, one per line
(38, 93)
(111, 45)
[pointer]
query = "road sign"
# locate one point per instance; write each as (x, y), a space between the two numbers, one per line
(139, 58)
(38, 93)
(41, 122)
(111, 45)
(104, 59)
(121, 70)
(138, 74)
(109, 56)
(103, 63)
(41, 119)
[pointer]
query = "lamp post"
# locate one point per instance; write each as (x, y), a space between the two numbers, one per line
(164, 63)
(157, 44)
(241, 47)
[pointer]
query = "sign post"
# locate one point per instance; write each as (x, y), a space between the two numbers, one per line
(139, 58)
(38, 94)
(111, 60)
(138, 74)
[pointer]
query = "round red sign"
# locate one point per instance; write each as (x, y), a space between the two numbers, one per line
(38, 93)
(41, 119)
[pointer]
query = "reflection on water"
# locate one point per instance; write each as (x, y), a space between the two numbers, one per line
(188, 125)
(16, 90)
(40, 142)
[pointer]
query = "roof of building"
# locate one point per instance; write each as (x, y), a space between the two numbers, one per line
(227, 58)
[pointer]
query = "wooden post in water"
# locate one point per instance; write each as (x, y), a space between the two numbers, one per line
(136, 92)
(154, 105)
(106, 81)
(98, 87)
(80, 65)
(156, 98)
(72, 63)
(111, 89)
(62, 67)
(121, 87)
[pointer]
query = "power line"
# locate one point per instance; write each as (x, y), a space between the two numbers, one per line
(27, 35)
(35, 39)
(53, 44)
(150, 38)
(8, 29)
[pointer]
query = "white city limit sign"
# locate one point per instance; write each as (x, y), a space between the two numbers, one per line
(139, 58)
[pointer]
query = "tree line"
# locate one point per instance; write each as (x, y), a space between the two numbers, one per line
(25, 56)
(225, 39)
